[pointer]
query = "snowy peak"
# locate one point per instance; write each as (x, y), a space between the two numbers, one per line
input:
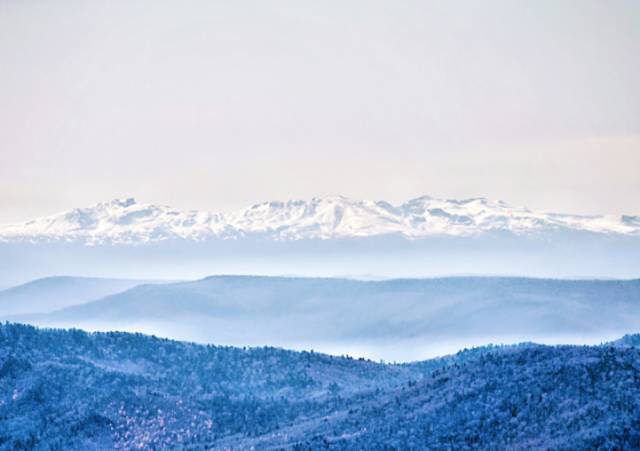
(318, 218)
(125, 221)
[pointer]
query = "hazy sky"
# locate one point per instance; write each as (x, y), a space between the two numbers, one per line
(220, 104)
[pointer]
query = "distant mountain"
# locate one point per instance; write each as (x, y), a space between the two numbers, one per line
(53, 293)
(404, 319)
(423, 237)
(128, 222)
(78, 391)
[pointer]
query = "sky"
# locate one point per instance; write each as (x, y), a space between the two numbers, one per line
(217, 105)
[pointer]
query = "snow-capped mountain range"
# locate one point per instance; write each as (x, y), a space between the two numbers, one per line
(125, 221)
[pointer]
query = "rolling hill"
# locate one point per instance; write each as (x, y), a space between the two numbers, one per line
(53, 293)
(73, 390)
(404, 319)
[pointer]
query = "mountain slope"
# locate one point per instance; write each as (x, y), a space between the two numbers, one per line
(125, 221)
(73, 390)
(53, 293)
(532, 397)
(403, 319)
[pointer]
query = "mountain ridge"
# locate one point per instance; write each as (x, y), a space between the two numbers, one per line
(125, 221)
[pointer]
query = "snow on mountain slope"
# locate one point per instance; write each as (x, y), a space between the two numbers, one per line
(124, 221)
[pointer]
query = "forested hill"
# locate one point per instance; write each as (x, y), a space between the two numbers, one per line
(73, 390)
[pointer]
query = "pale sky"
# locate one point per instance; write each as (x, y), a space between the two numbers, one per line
(221, 104)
